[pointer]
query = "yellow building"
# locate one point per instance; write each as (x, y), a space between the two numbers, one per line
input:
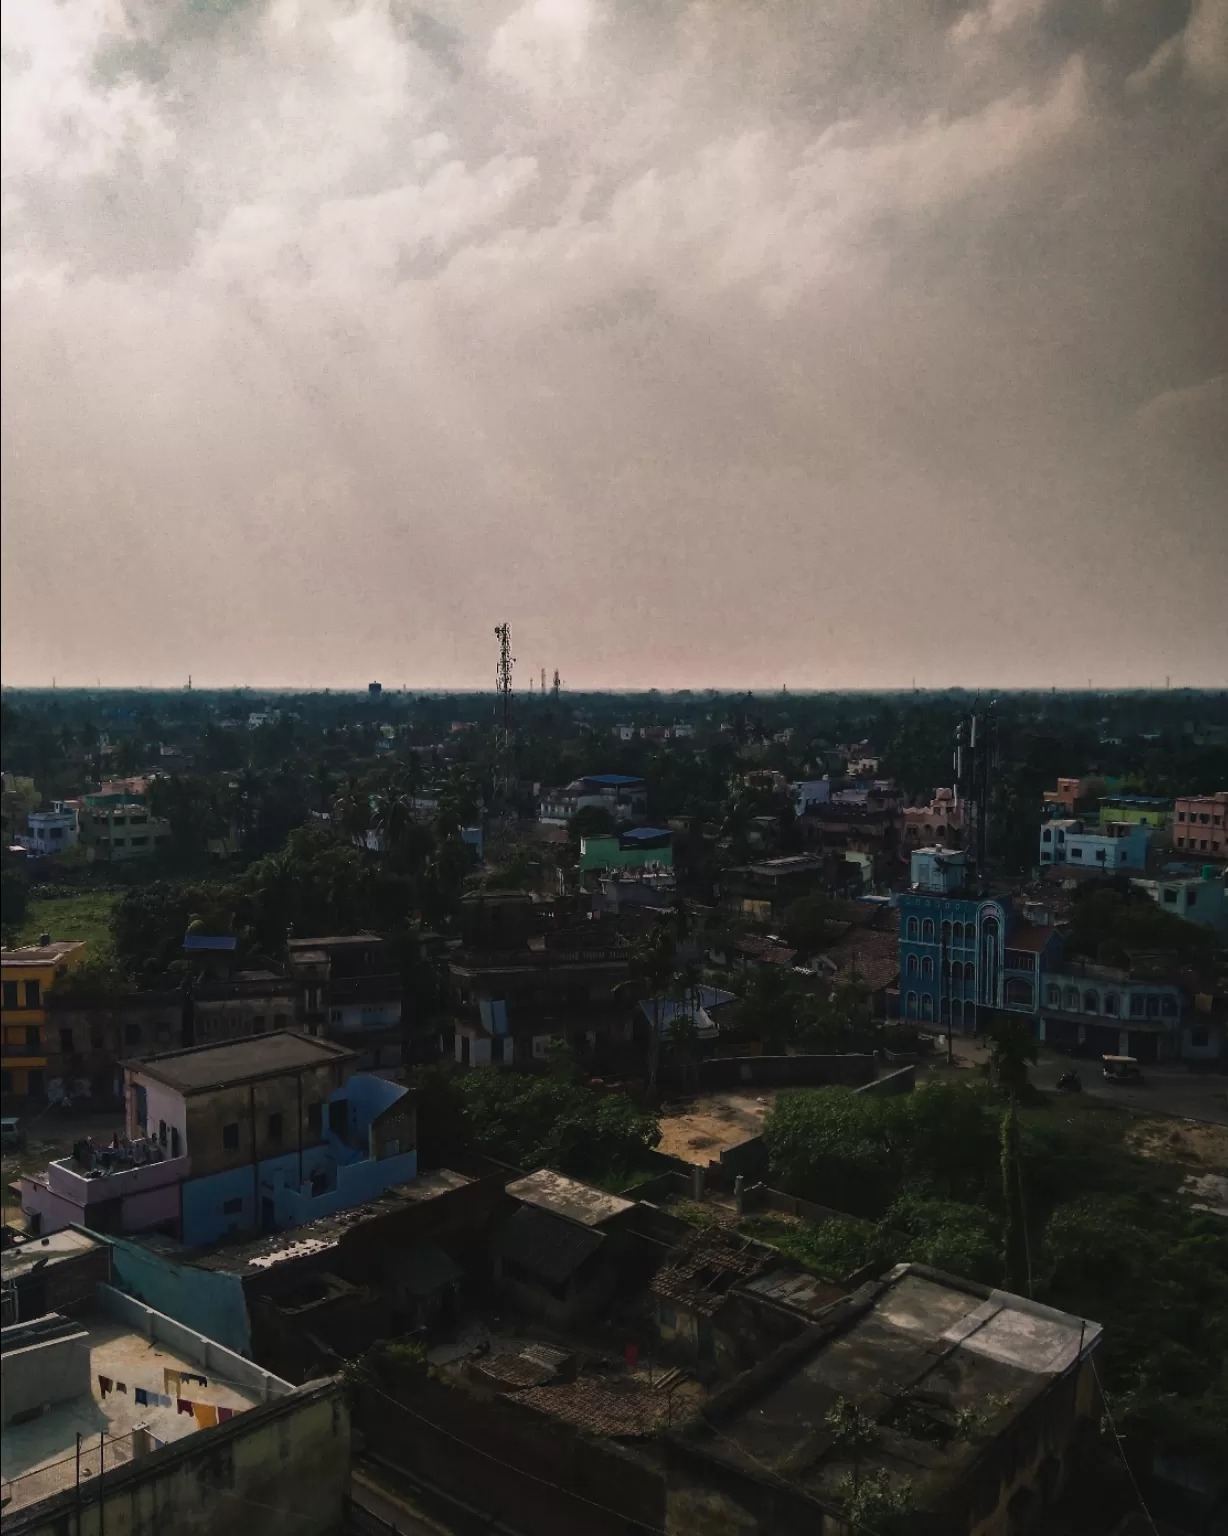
(27, 975)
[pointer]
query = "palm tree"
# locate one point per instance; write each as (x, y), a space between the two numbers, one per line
(352, 810)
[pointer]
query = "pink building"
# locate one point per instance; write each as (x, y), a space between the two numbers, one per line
(939, 824)
(1200, 824)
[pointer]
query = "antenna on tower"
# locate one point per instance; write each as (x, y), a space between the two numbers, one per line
(503, 733)
(558, 683)
(543, 682)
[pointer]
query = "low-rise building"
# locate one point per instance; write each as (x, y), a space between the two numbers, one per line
(51, 832)
(764, 890)
(808, 793)
(349, 989)
(623, 795)
(29, 976)
(1113, 847)
(258, 1134)
(1101, 1010)
(1197, 896)
(940, 823)
(118, 828)
(118, 1410)
(1200, 824)
(629, 848)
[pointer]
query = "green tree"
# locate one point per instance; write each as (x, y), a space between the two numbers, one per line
(651, 973)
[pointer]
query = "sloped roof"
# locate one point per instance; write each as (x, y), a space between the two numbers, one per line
(621, 1408)
(550, 1247)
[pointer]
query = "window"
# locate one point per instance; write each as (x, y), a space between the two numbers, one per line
(910, 1005)
(946, 933)
(1100, 854)
(117, 842)
(914, 929)
(927, 930)
(315, 1118)
(230, 1137)
(1076, 853)
(927, 1007)
(10, 994)
(1138, 1005)
(1053, 996)
(1191, 899)
(66, 1041)
(33, 1037)
(927, 967)
(32, 994)
(1047, 835)
(1091, 1002)
(139, 842)
(275, 1127)
(233, 1207)
(957, 971)
(1153, 1007)
(1071, 999)
(1112, 1004)
(1170, 896)
(912, 965)
(1180, 815)
(957, 932)
(1168, 1006)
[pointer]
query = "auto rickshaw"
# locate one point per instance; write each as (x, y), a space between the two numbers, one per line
(1121, 1069)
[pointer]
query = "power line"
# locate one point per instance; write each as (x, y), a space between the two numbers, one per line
(1108, 1413)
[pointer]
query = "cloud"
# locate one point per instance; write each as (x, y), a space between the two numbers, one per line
(620, 320)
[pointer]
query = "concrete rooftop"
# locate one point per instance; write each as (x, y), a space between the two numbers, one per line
(568, 1197)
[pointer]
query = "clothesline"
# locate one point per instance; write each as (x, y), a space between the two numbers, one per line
(205, 1414)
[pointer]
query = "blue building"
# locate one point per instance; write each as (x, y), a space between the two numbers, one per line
(963, 955)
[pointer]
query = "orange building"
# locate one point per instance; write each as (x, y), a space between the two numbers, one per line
(27, 975)
(1200, 824)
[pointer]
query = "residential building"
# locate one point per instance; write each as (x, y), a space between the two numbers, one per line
(629, 848)
(529, 974)
(88, 1037)
(1141, 810)
(962, 955)
(871, 830)
(1116, 846)
(118, 828)
(1200, 824)
(53, 831)
(940, 822)
(1069, 792)
(555, 1255)
(915, 1352)
(942, 870)
(29, 976)
(258, 1134)
(118, 1410)
(1102, 1010)
(60, 1273)
(808, 793)
(1199, 897)
(763, 891)
(623, 795)
(349, 989)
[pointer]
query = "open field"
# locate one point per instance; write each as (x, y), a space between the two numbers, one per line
(83, 915)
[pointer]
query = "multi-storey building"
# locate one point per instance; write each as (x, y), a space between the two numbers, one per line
(1101, 1010)
(940, 822)
(53, 831)
(118, 828)
(623, 795)
(349, 989)
(1200, 824)
(258, 1134)
(29, 976)
(1198, 898)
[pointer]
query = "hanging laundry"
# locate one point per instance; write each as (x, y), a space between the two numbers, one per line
(184, 1406)
(200, 1381)
(225, 1413)
(142, 1397)
(170, 1380)
(105, 1383)
(164, 1400)
(120, 1386)
(205, 1415)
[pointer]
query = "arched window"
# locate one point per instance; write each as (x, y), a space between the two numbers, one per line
(1053, 996)
(945, 1008)
(914, 928)
(912, 965)
(957, 970)
(910, 1005)
(927, 930)
(946, 970)
(957, 932)
(927, 1007)
(927, 967)
(1112, 1004)
(1091, 1001)
(1019, 993)
(1153, 1007)
(957, 1011)
(1072, 999)
(1168, 1006)
(946, 932)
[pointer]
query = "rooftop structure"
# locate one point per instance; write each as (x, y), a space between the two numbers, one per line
(205, 1068)
(949, 1376)
(581, 1203)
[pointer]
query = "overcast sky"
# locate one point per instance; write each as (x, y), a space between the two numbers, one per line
(743, 342)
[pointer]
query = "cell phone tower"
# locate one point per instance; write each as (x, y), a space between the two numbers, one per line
(503, 765)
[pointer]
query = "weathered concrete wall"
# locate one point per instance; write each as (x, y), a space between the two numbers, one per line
(44, 1373)
(209, 1301)
(282, 1469)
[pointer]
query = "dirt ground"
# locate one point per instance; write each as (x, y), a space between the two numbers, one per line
(1185, 1141)
(698, 1130)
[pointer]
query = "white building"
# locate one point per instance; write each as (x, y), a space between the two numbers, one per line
(1201, 898)
(938, 869)
(1117, 846)
(52, 831)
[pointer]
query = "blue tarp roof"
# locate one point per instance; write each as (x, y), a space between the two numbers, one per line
(707, 998)
(613, 780)
(208, 941)
(643, 834)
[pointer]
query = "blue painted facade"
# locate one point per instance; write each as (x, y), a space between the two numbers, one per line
(957, 959)
(286, 1191)
(206, 1300)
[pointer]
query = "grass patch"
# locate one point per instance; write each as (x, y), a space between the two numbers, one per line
(832, 1249)
(81, 915)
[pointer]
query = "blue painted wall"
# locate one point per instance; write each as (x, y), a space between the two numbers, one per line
(205, 1300)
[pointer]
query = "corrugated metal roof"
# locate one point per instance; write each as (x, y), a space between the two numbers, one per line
(548, 1246)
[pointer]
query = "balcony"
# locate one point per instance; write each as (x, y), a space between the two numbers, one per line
(66, 1179)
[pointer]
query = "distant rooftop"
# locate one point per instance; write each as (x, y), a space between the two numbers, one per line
(568, 1197)
(40, 954)
(611, 780)
(220, 941)
(240, 1061)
